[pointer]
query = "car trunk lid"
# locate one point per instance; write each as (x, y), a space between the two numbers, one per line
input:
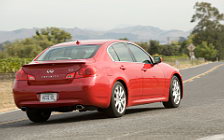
(52, 72)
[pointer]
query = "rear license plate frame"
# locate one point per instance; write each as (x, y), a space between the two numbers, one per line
(48, 97)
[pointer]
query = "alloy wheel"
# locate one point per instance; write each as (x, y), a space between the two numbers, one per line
(176, 93)
(119, 99)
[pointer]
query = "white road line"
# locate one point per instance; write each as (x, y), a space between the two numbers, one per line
(214, 137)
(202, 74)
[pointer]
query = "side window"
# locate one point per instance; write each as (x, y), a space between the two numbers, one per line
(113, 54)
(122, 52)
(139, 54)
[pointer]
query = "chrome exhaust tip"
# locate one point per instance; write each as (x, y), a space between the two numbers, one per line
(23, 108)
(80, 107)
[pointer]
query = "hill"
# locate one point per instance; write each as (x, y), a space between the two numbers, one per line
(133, 33)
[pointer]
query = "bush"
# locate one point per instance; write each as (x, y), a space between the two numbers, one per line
(9, 65)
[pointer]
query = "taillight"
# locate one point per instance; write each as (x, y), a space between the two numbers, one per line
(30, 77)
(70, 75)
(22, 76)
(86, 71)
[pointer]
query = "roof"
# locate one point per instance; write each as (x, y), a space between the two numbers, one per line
(84, 42)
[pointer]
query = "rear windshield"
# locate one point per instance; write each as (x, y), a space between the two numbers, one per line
(71, 52)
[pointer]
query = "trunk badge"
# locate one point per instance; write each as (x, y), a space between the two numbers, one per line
(50, 71)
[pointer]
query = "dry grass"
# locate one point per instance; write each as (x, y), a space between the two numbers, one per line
(186, 63)
(6, 96)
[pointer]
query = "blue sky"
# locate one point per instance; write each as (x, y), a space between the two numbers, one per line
(99, 14)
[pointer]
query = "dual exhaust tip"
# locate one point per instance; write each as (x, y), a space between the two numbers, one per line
(79, 107)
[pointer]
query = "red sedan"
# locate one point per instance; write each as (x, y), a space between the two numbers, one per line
(107, 75)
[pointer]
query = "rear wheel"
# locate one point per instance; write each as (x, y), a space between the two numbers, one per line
(118, 101)
(174, 95)
(38, 116)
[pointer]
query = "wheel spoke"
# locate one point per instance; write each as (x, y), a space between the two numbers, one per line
(176, 91)
(116, 103)
(121, 94)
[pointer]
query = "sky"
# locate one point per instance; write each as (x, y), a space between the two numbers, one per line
(99, 14)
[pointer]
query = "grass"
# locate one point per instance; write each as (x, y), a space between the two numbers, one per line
(186, 64)
(182, 61)
(6, 96)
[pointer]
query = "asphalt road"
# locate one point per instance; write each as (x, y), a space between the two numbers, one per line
(200, 115)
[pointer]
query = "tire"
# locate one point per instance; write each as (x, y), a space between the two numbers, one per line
(118, 101)
(38, 116)
(174, 94)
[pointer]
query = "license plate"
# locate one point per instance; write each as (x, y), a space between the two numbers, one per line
(48, 97)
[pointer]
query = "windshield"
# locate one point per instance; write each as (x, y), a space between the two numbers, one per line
(71, 52)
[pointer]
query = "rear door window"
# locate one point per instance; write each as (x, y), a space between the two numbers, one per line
(122, 52)
(113, 54)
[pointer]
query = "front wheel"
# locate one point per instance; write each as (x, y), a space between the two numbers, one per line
(175, 94)
(38, 116)
(118, 101)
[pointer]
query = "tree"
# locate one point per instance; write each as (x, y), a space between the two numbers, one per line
(144, 45)
(49, 36)
(207, 16)
(30, 47)
(206, 51)
(185, 44)
(154, 47)
(209, 27)
(125, 38)
(53, 34)
(170, 50)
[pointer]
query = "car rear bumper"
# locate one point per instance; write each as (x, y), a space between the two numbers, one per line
(84, 91)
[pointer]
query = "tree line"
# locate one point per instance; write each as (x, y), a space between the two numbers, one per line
(30, 47)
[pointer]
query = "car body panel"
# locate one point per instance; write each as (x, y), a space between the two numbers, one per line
(145, 83)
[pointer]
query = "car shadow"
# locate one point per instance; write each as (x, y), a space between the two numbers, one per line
(73, 117)
(95, 115)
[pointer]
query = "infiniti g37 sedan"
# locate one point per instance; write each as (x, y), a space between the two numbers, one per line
(107, 75)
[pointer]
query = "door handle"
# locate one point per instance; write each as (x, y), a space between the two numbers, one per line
(122, 67)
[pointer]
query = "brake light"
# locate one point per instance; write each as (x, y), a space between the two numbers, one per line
(70, 75)
(86, 71)
(21, 75)
(31, 77)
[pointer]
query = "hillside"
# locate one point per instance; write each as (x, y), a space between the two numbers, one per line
(133, 33)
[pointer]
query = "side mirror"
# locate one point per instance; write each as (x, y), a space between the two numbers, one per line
(157, 59)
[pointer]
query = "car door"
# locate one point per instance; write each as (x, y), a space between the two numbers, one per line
(127, 69)
(152, 75)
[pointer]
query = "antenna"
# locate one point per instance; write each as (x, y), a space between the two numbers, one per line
(77, 42)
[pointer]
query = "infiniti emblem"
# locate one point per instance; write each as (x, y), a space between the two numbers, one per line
(50, 71)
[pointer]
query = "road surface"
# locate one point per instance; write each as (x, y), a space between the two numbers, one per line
(200, 116)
